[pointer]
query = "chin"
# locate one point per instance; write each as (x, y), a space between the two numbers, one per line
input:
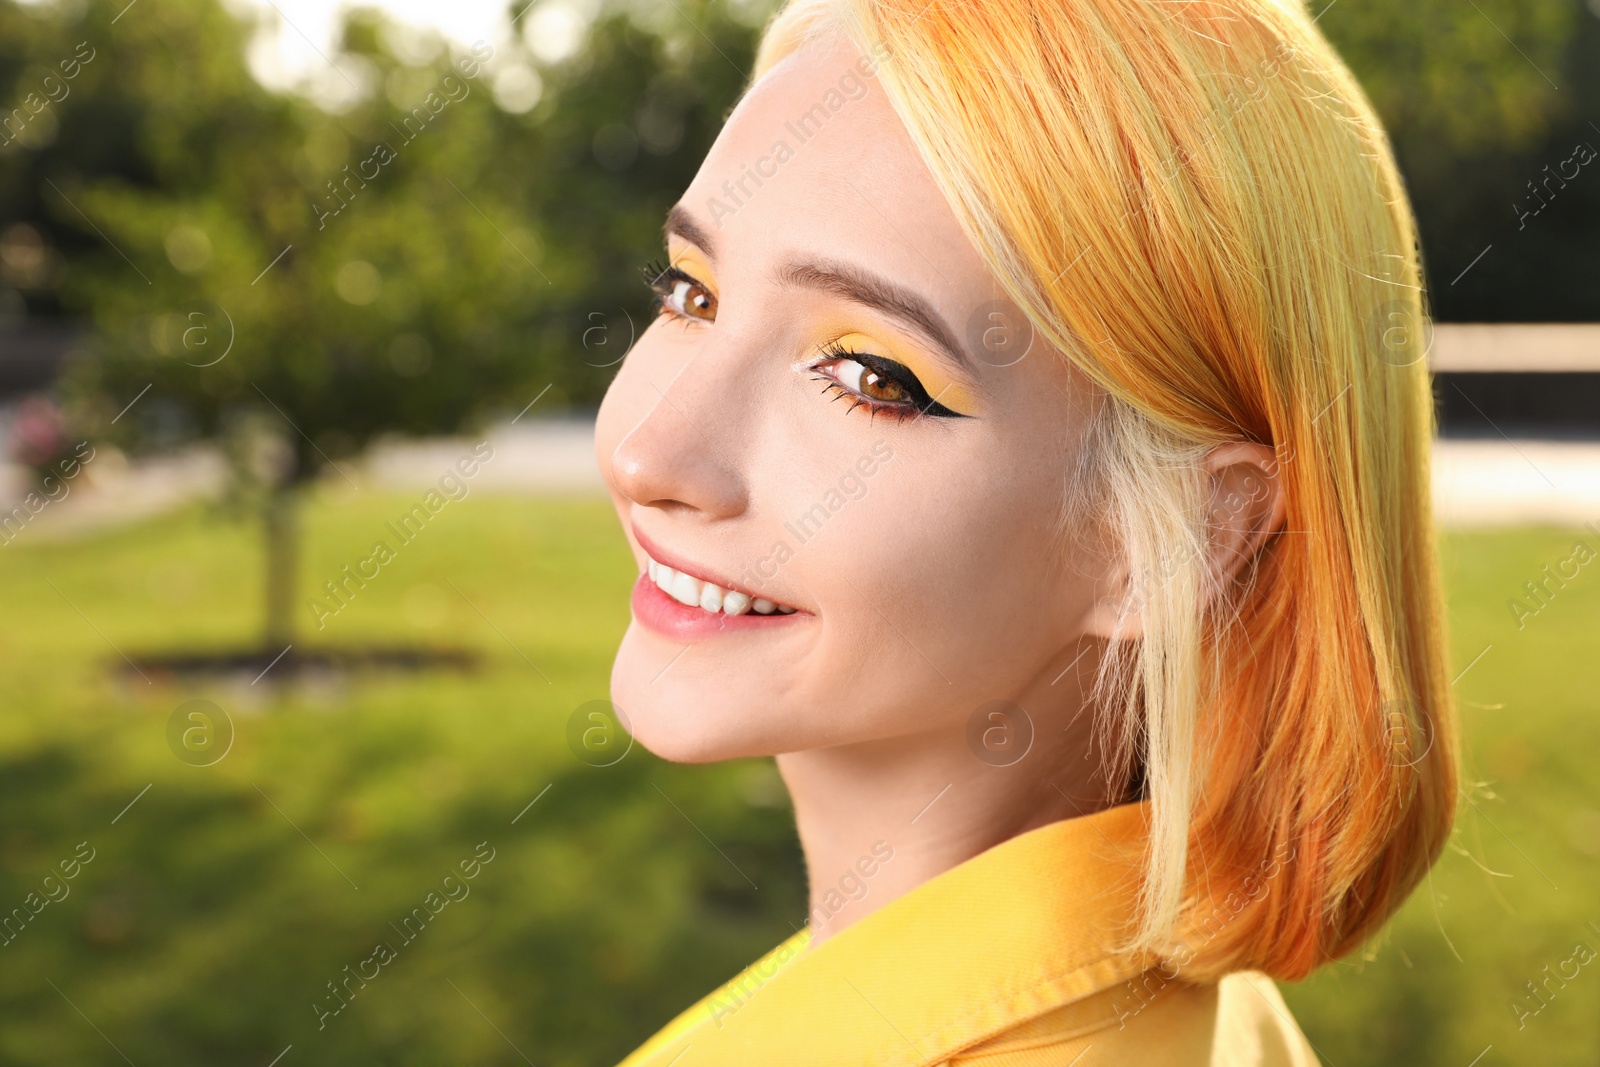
(688, 717)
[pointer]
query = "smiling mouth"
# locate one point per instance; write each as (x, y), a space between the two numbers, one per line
(692, 592)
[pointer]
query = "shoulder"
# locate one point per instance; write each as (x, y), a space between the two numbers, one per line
(1241, 1021)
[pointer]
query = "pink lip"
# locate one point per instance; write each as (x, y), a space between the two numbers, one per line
(660, 612)
(669, 618)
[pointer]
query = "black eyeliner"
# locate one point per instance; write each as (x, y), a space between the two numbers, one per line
(898, 373)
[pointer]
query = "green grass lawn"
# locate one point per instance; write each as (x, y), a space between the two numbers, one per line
(217, 908)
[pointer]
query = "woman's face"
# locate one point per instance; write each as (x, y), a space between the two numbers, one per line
(837, 412)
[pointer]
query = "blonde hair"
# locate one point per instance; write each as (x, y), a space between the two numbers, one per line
(1195, 203)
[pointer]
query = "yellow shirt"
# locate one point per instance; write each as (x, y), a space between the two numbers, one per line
(1002, 961)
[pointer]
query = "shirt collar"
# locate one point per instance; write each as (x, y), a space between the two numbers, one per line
(1026, 927)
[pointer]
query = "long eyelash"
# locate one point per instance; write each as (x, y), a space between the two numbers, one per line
(652, 269)
(898, 412)
(660, 278)
(837, 350)
(902, 411)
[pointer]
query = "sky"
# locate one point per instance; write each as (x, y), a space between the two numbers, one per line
(295, 44)
(294, 47)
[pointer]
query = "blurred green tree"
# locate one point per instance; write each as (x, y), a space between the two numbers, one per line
(1478, 99)
(450, 238)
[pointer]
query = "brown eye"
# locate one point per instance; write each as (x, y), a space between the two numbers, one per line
(680, 294)
(881, 384)
(693, 298)
(870, 383)
(878, 387)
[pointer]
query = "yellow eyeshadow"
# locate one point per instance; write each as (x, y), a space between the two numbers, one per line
(688, 259)
(940, 384)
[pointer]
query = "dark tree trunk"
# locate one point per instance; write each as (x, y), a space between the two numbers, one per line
(282, 550)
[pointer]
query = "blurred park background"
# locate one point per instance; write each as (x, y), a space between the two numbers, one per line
(270, 274)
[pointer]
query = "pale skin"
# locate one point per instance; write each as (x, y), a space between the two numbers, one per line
(944, 584)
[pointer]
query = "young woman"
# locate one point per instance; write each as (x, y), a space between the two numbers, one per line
(1031, 454)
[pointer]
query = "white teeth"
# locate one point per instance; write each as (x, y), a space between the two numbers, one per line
(707, 596)
(663, 578)
(711, 597)
(685, 590)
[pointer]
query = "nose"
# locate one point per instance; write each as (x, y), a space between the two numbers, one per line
(678, 456)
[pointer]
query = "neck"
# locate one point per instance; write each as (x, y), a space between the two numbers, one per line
(877, 819)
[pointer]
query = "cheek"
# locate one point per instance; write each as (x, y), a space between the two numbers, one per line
(936, 588)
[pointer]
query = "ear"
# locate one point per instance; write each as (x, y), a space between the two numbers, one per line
(1244, 507)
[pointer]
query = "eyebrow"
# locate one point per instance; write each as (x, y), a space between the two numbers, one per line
(841, 279)
(870, 290)
(681, 222)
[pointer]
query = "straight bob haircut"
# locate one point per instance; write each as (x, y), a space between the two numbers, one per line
(1194, 201)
